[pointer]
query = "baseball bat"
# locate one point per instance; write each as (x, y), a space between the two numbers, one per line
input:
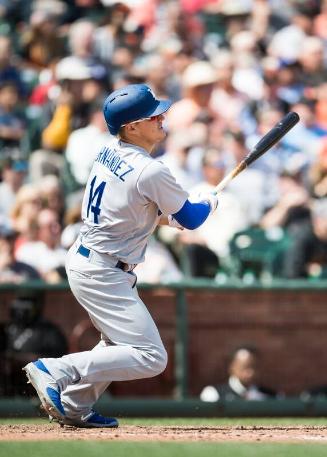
(266, 142)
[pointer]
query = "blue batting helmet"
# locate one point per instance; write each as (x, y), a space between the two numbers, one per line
(132, 103)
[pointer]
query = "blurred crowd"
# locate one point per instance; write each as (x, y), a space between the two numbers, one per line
(233, 69)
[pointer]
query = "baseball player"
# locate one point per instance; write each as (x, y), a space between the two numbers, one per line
(127, 195)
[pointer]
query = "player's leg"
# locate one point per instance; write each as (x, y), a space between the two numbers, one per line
(78, 398)
(121, 316)
(74, 401)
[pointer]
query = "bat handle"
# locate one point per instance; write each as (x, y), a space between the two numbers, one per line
(223, 183)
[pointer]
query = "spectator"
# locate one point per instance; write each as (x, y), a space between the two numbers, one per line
(45, 253)
(81, 43)
(178, 59)
(311, 58)
(320, 21)
(272, 164)
(318, 172)
(315, 392)
(159, 266)
(227, 101)
(72, 75)
(321, 106)
(270, 99)
(158, 77)
(24, 212)
(307, 254)
(12, 270)
(84, 144)
(306, 136)
(9, 70)
(12, 122)
(236, 17)
(198, 82)
(81, 9)
(41, 43)
(123, 63)
(289, 88)
(52, 194)
(28, 336)
(287, 43)
(77, 90)
(242, 383)
(73, 223)
(254, 190)
(292, 205)
(110, 34)
(183, 154)
(293, 213)
(13, 175)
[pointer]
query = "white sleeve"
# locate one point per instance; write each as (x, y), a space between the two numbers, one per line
(158, 185)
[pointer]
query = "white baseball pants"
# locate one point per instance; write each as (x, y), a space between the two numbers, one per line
(130, 346)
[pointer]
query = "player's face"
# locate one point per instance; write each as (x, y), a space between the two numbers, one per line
(145, 132)
(152, 129)
(149, 131)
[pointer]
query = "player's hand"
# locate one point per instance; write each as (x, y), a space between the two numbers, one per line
(212, 199)
(173, 223)
(209, 197)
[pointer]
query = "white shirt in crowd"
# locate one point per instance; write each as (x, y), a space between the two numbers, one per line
(220, 227)
(82, 148)
(159, 265)
(38, 255)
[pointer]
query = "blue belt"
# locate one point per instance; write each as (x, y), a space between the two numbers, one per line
(85, 252)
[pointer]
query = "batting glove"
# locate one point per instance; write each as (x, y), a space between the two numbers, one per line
(212, 199)
(173, 223)
(209, 197)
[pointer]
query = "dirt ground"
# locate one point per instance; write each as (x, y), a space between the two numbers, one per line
(293, 434)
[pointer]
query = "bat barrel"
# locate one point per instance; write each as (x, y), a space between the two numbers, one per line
(273, 136)
(266, 142)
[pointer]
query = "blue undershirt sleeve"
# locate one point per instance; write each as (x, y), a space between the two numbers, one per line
(192, 215)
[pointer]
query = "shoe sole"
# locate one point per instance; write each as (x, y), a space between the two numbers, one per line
(47, 404)
(81, 424)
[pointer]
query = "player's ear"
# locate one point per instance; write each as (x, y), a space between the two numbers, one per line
(131, 127)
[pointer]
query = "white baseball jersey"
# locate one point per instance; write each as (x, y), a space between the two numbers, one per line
(126, 192)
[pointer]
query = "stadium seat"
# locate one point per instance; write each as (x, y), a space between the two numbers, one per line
(256, 253)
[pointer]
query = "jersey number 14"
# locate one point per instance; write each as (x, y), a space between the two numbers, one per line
(95, 197)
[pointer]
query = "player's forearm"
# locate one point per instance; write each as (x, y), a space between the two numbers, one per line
(192, 215)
